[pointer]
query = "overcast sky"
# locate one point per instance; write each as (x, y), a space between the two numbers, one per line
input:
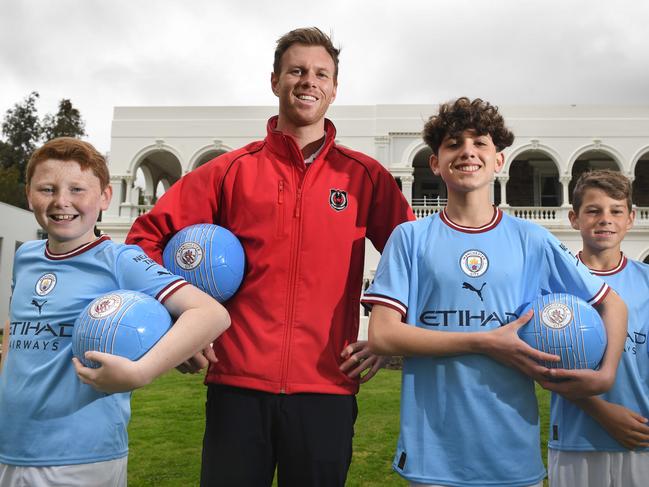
(107, 53)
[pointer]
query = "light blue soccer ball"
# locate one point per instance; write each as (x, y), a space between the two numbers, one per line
(125, 323)
(208, 256)
(567, 326)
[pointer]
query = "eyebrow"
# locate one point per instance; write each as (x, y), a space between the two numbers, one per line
(598, 206)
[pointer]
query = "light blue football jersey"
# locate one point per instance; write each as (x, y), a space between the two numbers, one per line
(47, 416)
(573, 429)
(468, 420)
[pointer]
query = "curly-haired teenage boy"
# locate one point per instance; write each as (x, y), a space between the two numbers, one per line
(604, 440)
(445, 296)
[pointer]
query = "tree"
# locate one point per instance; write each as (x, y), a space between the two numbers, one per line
(12, 191)
(22, 130)
(66, 123)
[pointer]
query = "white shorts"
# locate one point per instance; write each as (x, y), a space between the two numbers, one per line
(598, 468)
(101, 474)
(414, 484)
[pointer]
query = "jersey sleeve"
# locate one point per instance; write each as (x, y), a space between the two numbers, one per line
(391, 285)
(193, 199)
(389, 208)
(138, 272)
(565, 273)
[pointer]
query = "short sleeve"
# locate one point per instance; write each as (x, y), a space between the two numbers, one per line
(392, 283)
(138, 272)
(566, 273)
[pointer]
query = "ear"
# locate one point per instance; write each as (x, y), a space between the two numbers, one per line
(29, 201)
(106, 196)
(334, 92)
(631, 220)
(433, 162)
(274, 82)
(500, 161)
(574, 219)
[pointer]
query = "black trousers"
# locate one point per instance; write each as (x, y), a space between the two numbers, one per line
(249, 433)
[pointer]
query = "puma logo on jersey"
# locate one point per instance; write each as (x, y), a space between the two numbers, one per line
(39, 305)
(466, 285)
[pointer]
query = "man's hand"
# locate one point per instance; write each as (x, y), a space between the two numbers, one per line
(198, 362)
(358, 358)
(504, 345)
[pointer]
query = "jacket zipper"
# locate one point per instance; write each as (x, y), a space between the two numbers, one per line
(290, 308)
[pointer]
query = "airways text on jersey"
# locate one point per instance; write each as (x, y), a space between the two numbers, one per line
(28, 335)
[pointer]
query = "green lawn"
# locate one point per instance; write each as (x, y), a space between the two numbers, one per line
(167, 428)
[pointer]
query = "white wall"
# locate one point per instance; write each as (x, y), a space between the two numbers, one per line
(18, 226)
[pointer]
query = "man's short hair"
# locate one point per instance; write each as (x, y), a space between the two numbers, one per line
(454, 117)
(615, 184)
(308, 36)
(70, 149)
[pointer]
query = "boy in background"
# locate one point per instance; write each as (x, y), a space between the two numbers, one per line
(57, 427)
(445, 295)
(604, 441)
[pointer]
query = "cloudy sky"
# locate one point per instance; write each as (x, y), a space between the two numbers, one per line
(107, 53)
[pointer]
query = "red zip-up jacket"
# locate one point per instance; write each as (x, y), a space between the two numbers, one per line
(303, 229)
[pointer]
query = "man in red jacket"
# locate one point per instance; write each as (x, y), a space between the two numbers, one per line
(282, 393)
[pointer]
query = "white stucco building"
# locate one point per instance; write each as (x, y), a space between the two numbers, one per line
(554, 144)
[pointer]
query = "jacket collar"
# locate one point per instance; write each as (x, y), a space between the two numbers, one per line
(285, 147)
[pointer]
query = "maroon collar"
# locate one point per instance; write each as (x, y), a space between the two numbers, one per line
(79, 250)
(493, 223)
(608, 272)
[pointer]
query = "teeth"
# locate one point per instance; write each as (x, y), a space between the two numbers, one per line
(62, 217)
(306, 97)
(468, 168)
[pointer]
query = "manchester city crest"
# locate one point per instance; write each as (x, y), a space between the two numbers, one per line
(45, 284)
(189, 255)
(104, 306)
(556, 315)
(338, 199)
(474, 263)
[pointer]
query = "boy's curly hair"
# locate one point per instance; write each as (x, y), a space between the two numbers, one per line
(463, 114)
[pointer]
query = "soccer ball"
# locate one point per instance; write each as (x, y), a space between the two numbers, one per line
(125, 323)
(208, 256)
(566, 326)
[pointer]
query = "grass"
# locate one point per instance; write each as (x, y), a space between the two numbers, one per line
(167, 428)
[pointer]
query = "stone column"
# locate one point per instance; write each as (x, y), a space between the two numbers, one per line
(382, 144)
(502, 179)
(565, 181)
(406, 187)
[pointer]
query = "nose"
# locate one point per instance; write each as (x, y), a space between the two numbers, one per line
(309, 78)
(61, 199)
(467, 149)
(604, 219)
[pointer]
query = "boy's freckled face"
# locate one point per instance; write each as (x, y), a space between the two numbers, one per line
(467, 162)
(66, 202)
(602, 220)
